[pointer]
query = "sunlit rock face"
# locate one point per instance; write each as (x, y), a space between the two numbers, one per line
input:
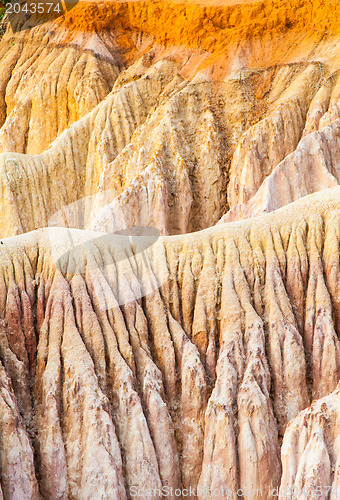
(169, 252)
(110, 383)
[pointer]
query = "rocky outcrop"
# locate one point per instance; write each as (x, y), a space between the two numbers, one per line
(167, 150)
(313, 166)
(46, 87)
(169, 153)
(245, 322)
(144, 350)
(313, 439)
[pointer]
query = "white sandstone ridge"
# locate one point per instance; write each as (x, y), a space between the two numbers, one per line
(313, 166)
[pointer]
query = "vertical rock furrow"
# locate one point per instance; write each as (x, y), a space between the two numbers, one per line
(94, 465)
(63, 77)
(18, 476)
(125, 332)
(204, 327)
(190, 412)
(140, 464)
(257, 427)
(321, 341)
(285, 348)
(220, 468)
(48, 393)
(153, 396)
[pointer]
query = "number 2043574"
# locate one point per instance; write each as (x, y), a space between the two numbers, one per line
(34, 8)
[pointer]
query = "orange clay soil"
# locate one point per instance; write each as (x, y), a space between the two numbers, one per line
(210, 25)
(269, 32)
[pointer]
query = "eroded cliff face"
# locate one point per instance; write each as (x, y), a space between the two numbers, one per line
(192, 385)
(178, 135)
(208, 357)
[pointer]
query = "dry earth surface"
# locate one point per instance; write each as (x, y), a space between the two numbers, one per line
(202, 356)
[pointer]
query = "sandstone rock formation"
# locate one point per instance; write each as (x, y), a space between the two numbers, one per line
(203, 363)
(192, 385)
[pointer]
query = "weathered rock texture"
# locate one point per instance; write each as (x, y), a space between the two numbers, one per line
(207, 360)
(195, 383)
(178, 135)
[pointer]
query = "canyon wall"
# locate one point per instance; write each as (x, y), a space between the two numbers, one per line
(196, 383)
(162, 330)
